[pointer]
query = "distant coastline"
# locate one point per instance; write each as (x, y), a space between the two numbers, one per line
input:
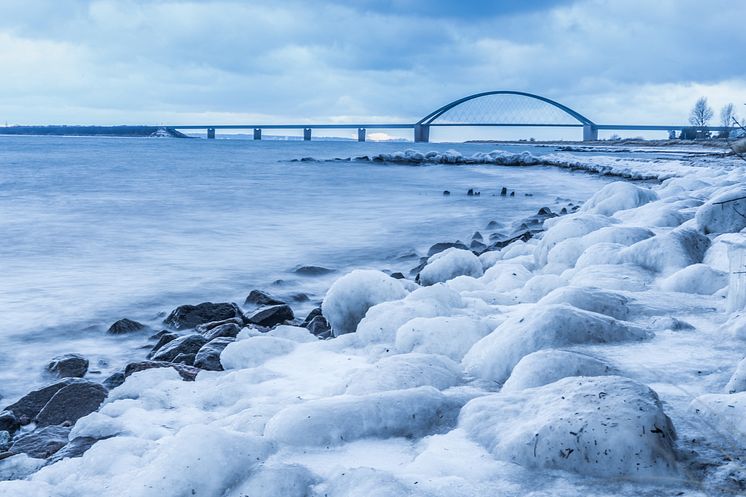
(62, 130)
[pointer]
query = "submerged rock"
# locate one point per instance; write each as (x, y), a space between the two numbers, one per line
(189, 316)
(68, 366)
(42, 443)
(71, 403)
(271, 315)
(124, 326)
(187, 344)
(208, 357)
(260, 298)
(312, 270)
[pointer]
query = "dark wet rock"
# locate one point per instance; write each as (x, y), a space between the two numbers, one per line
(503, 192)
(446, 193)
(512, 194)
(187, 359)
(492, 225)
(497, 236)
(563, 211)
(477, 246)
(204, 328)
(260, 298)
(30, 404)
(74, 448)
(525, 236)
(224, 330)
(545, 211)
(187, 373)
(415, 271)
(397, 275)
(41, 444)
(271, 315)
(472, 193)
(162, 341)
(9, 422)
(114, 380)
(312, 270)
(124, 326)
(187, 344)
(315, 312)
(71, 403)
(477, 236)
(189, 316)
(319, 326)
(208, 356)
(440, 247)
(68, 366)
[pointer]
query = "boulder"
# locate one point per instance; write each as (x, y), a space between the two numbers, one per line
(440, 247)
(75, 448)
(229, 330)
(204, 328)
(208, 356)
(319, 326)
(271, 315)
(187, 373)
(9, 422)
(315, 312)
(187, 344)
(260, 298)
(449, 264)
(163, 339)
(68, 366)
(28, 406)
(114, 380)
(41, 443)
(124, 326)
(71, 403)
(187, 359)
(189, 316)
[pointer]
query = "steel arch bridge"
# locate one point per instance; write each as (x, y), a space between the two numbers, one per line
(491, 108)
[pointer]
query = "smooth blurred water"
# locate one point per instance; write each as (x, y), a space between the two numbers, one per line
(95, 229)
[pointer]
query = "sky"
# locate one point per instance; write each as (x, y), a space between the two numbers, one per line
(231, 61)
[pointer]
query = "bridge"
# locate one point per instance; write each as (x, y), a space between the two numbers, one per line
(502, 108)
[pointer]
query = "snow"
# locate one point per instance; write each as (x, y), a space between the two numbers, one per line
(448, 336)
(591, 299)
(724, 213)
(669, 251)
(254, 351)
(697, 278)
(602, 426)
(350, 297)
(737, 382)
(724, 413)
(547, 366)
(404, 371)
(448, 264)
(540, 327)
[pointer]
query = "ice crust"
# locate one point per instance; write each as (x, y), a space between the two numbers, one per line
(519, 372)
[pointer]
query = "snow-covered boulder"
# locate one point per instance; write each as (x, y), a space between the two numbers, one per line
(736, 325)
(547, 366)
(627, 277)
(668, 252)
(539, 286)
(590, 299)
(541, 327)
(618, 196)
(404, 371)
(566, 227)
(723, 413)
(697, 278)
(725, 213)
(449, 336)
(717, 255)
(604, 426)
(254, 351)
(350, 297)
(506, 276)
(448, 264)
(655, 214)
(600, 254)
(737, 382)
(335, 420)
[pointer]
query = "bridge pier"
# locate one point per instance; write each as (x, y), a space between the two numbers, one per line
(421, 133)
(210, 133)
(361, 134)
(590, 133)
(307, 134)
(257, 133)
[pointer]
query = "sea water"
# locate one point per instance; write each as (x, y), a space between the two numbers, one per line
(97, 229)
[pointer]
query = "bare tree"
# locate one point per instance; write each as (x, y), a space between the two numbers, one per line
(728, 115)
(701, 113)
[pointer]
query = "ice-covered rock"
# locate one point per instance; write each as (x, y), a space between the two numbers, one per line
(628, 277)
(448, 264)
(618, 196)
(604, 426)
(505, 276)
(717, 255)
(724, 213)
(736, 325)
(697, 278)
(350, 297)
(590, 299)
(334, 420)
(566, 227)
(540, 327)
(737, 382)
(539, 286)
(254, 351)
(449, 336)
(404, 371)
(668, 252)
(723, 413)
(547, 366)
(282, 480)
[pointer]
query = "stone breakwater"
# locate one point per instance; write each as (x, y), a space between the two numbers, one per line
(576, 354)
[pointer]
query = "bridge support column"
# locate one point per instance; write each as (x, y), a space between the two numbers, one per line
(210, 133)
(257, 133)
(307, 134)
(421, 133)
(590, 133)
(361, 134)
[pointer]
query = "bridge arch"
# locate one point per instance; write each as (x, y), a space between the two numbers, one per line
(528, 110)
